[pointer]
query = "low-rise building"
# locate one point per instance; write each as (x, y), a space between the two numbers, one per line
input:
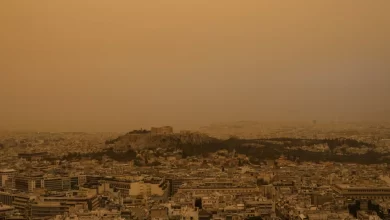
(47, 209)
(362, 192)
(57, 184)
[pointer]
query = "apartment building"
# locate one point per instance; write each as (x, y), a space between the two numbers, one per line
(123, 186)
(6, 198)
(24, 184)
(362, 192)
(153, 187)
(85, 199)
(47, 209)
(4, 209)
(222, 187)
(57, 184)
(21, 202)
(6, 174)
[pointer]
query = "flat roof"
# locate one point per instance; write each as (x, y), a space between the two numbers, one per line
(346, 186)
(6, 207)
(7, 170)
(49, 204)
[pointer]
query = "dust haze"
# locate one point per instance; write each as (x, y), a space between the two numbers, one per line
(113, 66)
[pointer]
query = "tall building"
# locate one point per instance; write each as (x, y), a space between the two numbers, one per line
(58, 184)
(88, 200)
(21, 202)
(6, 198)
(92, 180)
(123, 186)
(47, 209)
(176, 182)
(24, 184)
(77, 180)
(362, 192)
(153, 187)
(6, 174)
(221, 186)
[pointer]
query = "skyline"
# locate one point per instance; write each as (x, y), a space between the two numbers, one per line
(99, 66)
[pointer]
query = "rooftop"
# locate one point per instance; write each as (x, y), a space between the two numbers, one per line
(4, 208)
(7, 170)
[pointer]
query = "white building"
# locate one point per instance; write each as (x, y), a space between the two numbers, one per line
(6, 174)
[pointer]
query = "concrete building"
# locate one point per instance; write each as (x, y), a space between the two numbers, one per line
(88, 201)
(86, 198)
(205, 215)
(363, 215)
(159, 213)
(176, 183)
(262, 207)
(182, 211)
(221, 187)
(5, 209)
(320, 199)
(57, 184)
(21, 203)
(362, 192)
(77, 180)
(24, 184)
(6, 174)
(90, 179)
(47, 209)
(6, 198)
(153, 187)
(35, 156)
(148, 187)
(123, 186)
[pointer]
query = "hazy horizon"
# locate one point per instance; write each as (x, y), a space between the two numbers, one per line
(244, 123)
(104, 66)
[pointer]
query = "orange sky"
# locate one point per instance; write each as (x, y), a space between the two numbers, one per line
(99, 65)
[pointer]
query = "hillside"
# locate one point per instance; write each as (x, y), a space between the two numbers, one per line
(258, 150)
(138, 141)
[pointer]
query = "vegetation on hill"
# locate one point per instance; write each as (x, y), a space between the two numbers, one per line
(257, 150)
(262, 149)
(118, 156)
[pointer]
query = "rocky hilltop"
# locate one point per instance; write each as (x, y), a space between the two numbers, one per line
(146, 144)
(146, 140)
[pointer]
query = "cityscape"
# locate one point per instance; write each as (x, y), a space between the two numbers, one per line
(158, 173)
(195, 110)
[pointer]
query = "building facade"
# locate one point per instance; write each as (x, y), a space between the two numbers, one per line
(363, 192)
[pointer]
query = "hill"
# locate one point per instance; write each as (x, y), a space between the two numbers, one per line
(127, 146)
(136, 140)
